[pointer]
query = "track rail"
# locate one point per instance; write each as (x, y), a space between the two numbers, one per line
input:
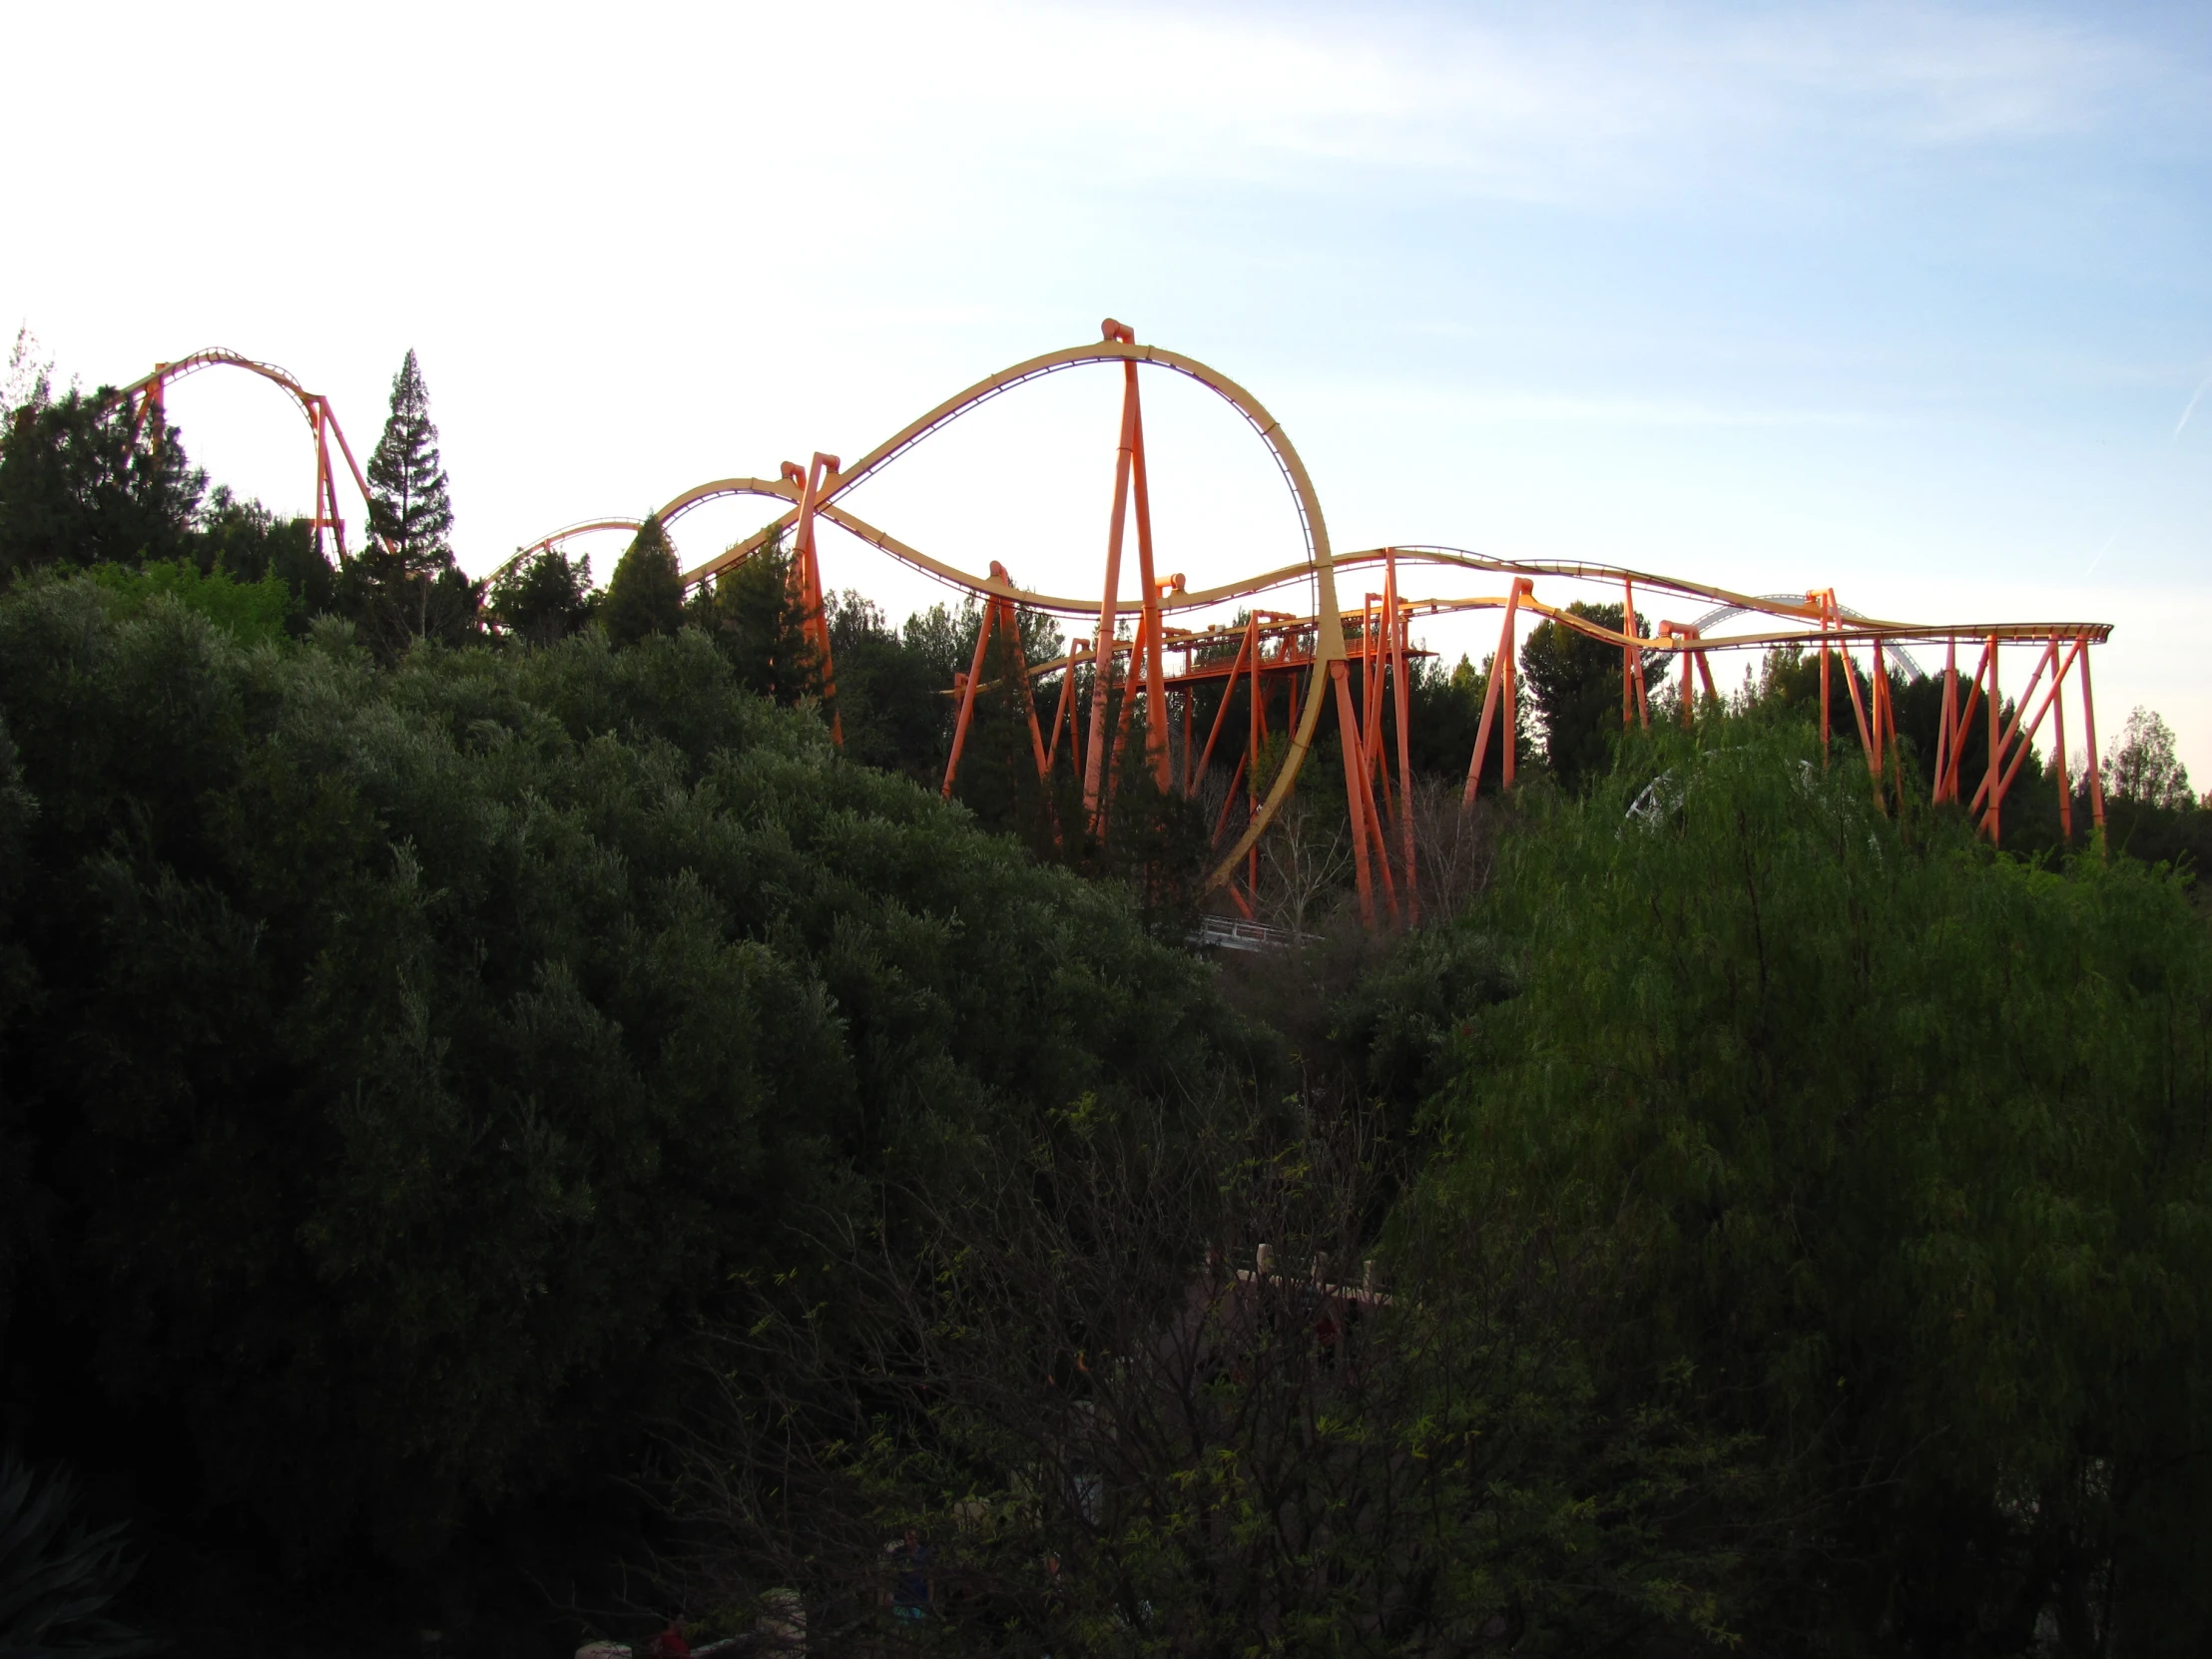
(1310, 644)
(149, 393)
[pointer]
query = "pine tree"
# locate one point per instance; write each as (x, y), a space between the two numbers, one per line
(409, 506)
(646, 593)
(545, 598)
(760, 621)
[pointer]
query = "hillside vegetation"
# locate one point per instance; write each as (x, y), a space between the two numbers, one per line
(506, 1128)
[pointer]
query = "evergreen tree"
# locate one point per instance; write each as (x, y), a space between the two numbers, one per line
(645, 596)
(409, 506)
(1884, 1139)
(1575, 682)
(453, 607)
(545, 598)
(760, 621)
(83, 483)
(245, 541)
(394, 1077)
(893, 712)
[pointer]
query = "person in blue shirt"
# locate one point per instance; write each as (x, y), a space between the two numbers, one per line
(915, 1593)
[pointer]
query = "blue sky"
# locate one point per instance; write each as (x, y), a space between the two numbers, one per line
(1907, 299)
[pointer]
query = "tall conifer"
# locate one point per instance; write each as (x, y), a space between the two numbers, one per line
(410, 505)
(646, 593)
(761, 623)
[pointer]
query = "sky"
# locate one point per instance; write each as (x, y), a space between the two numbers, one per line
(1912, 300)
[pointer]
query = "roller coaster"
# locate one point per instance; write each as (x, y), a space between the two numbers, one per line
(1303, 659)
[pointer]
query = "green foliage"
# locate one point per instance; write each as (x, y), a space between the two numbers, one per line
(2141, 764)
(944, 639)
(1788, 691)
(1072, 1366)
(2176, 835)
(646, 594)
(891, 703)
(82, 484)
(1155, 840)
(417, 1053)
(252, 611)
(247, 542)
(453, 607)
(1575, 684)
(545, 598)
(1403, 1017)
(406, 582)
(998, 779)
(754, 612)
(1901, 1152)
(56, 1575)
(1447, 716)
(410, 506)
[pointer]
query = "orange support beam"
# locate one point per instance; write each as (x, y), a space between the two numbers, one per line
(1989, 822)
(999, 614)
(1948, 717)
(1501, 675)
(807, 580)
(1357, 797)
(1063, 712)
(2089, 734)
(1634, 697)
(2059, 756)
(1155, 703)
(1102, 677)
(1402, 692)
(1961, 725)
(2048, 660)
(1248, 652)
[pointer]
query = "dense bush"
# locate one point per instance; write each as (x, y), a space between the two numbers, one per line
(397, 1062)
(1901, 1150)
(1134, 1397)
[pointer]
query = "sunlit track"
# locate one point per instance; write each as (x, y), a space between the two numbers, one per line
(148, 395)
(1309, 647)
(1310, 652)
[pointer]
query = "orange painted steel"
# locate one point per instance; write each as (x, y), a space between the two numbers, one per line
(999, 614)
(1307, 646)
(1149, 646)
(805, 579)
(1502, 673)
(149, 396)
(1120, 670)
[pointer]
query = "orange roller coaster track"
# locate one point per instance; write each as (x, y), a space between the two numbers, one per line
(1310, 653)
(1306, 659)
(148, 395)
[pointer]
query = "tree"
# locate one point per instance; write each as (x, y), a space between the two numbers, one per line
(1898, 1151)
(892, 709)
(2141, 764)
(416, 1056)
(83, 483)
(645, 596)
(545, 598)
(1136, 1389)
(453, 610)
(1575, 682)
(756, 613)
(247, 542)
(410, 510)
(1447, 714)
(30, 377)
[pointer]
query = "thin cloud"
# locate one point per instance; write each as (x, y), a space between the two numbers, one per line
(2192, 408)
